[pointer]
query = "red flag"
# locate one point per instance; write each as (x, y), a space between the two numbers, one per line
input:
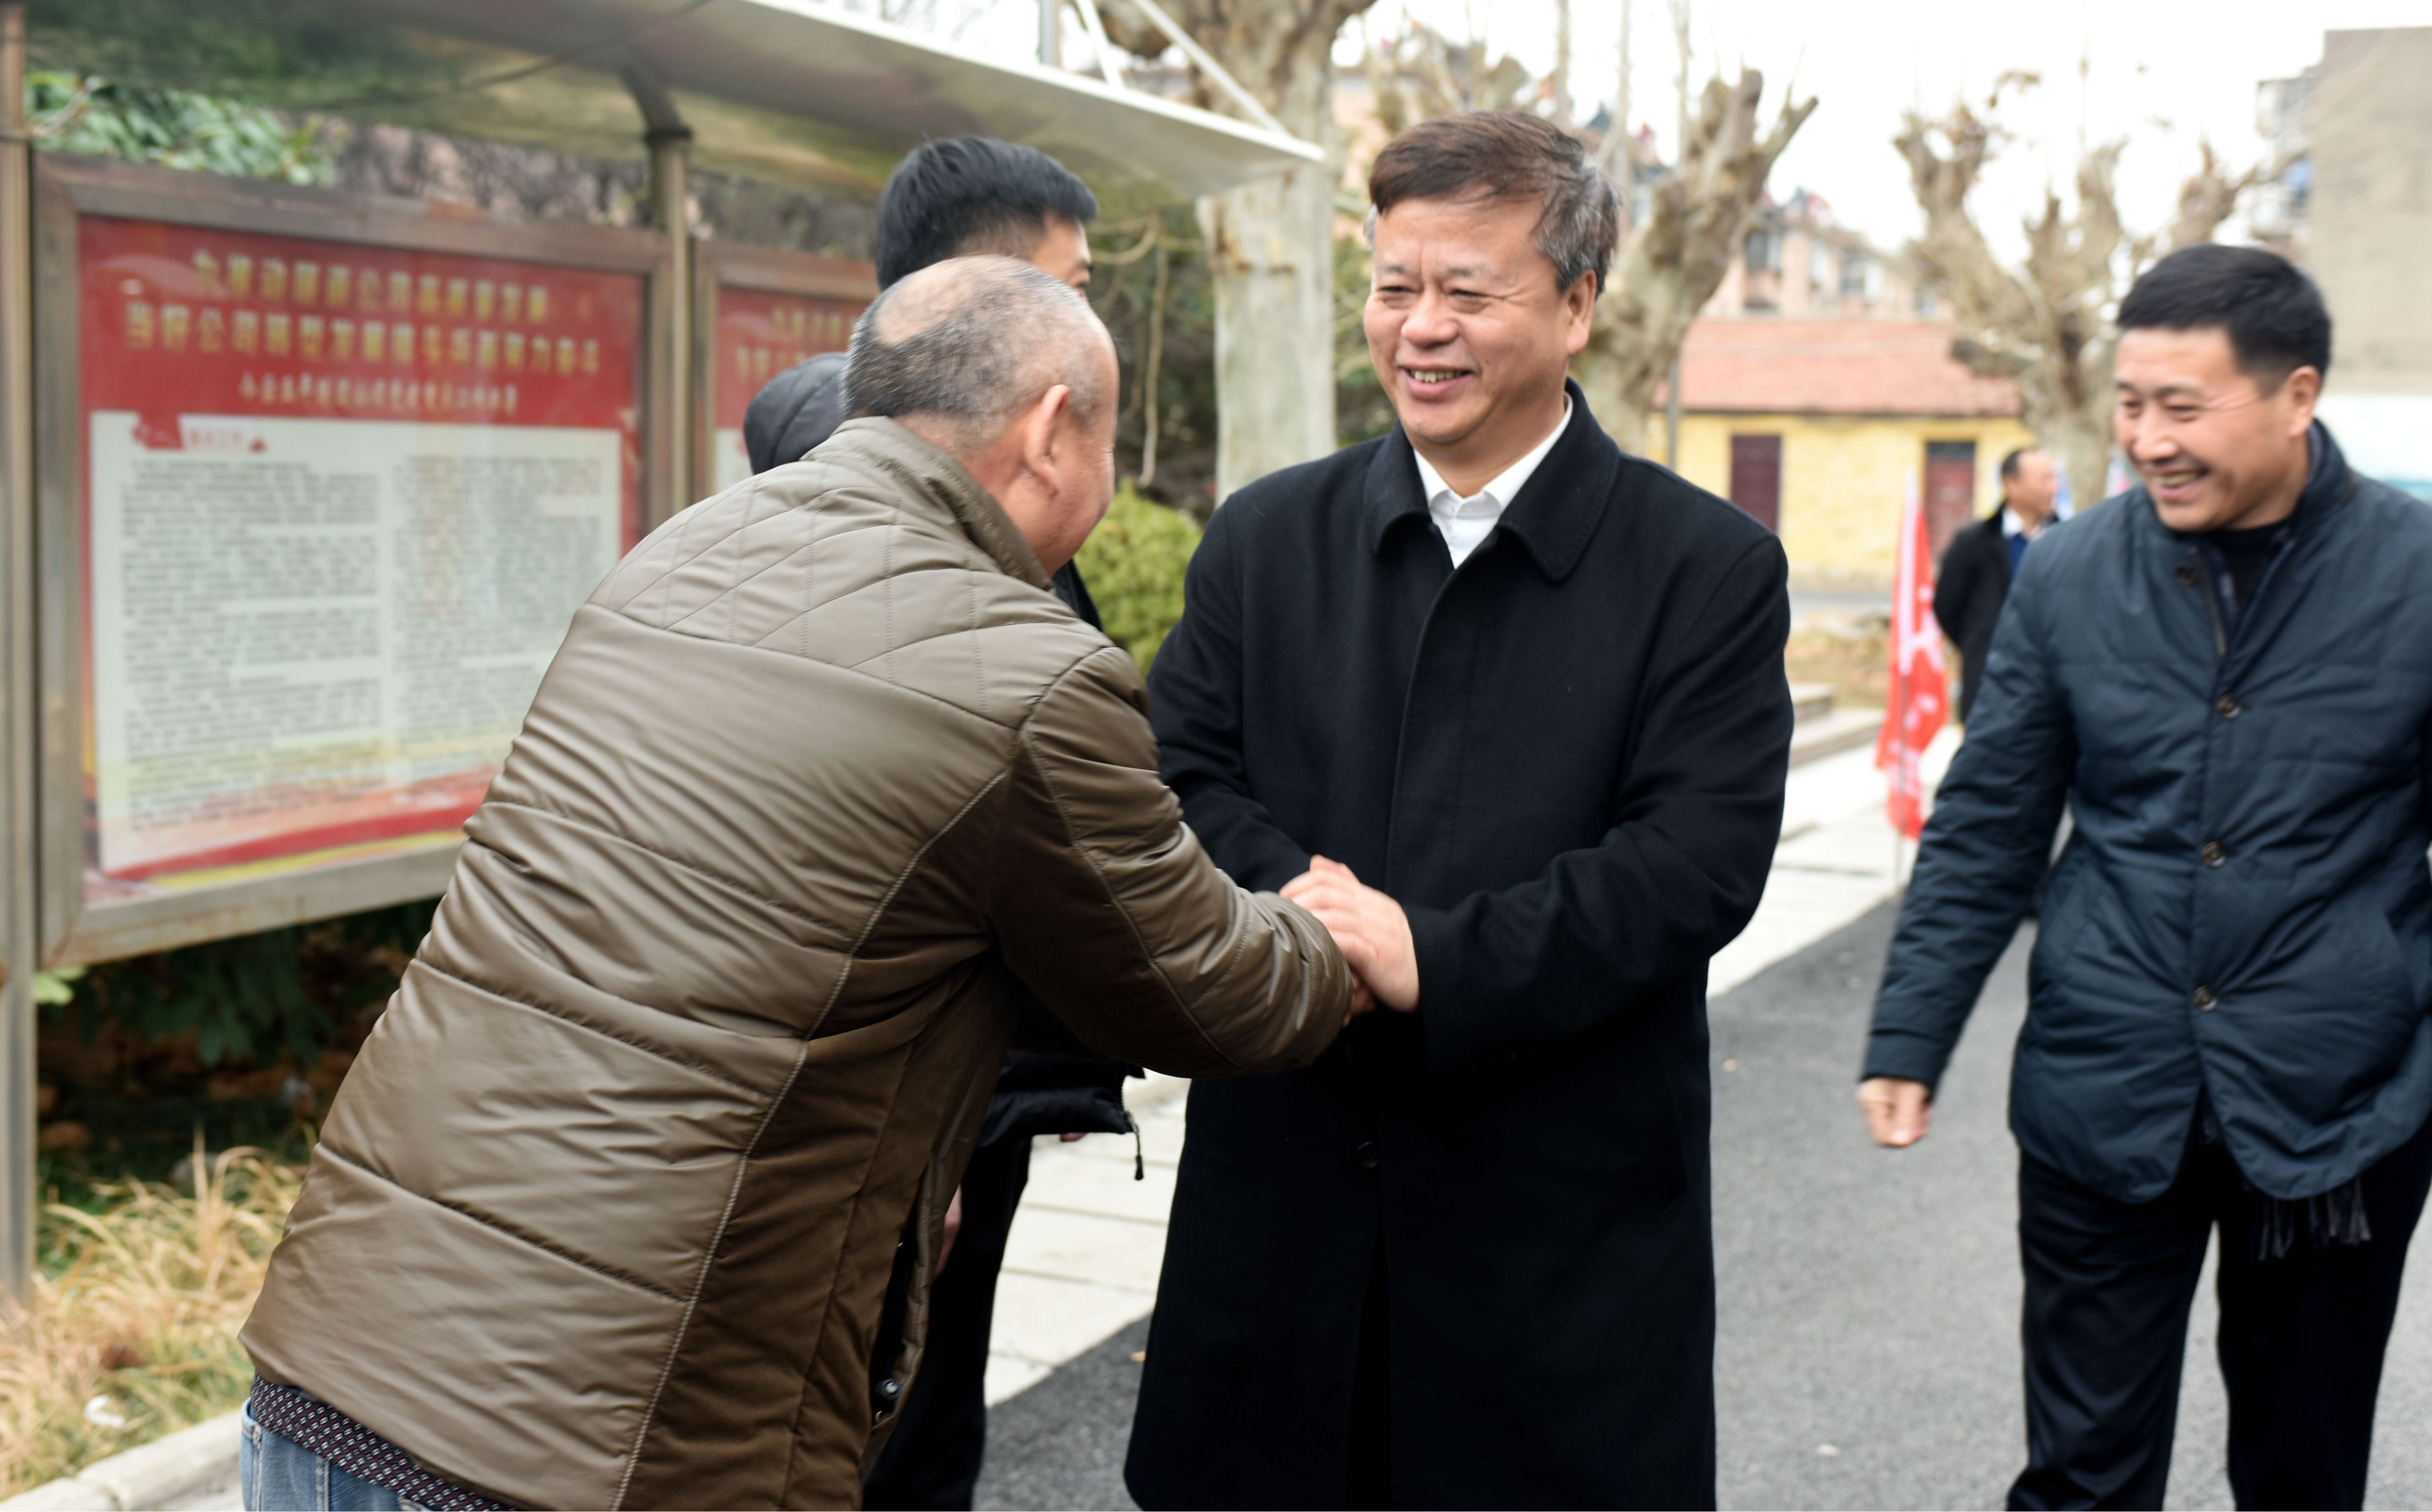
(1919, 701)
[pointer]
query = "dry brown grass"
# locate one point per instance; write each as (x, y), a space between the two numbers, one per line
(1852, 651)
(131, 1333)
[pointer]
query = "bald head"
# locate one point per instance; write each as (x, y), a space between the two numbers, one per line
(971, 344)
(1007, 370)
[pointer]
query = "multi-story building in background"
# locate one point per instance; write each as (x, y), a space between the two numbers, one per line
(1796, 262)
(2353, 200)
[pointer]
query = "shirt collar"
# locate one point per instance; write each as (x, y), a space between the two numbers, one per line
(1500, 490)
(1553, 523)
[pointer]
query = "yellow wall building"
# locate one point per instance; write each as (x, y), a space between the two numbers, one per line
(1843, 480)
(1820, 428)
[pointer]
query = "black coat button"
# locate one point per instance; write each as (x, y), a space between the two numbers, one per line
(1366, 1154)
(2187, 573)
(2213, 855)
(2203, 1000)
(2228, 709)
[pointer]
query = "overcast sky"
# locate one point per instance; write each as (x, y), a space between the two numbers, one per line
(2160, 74)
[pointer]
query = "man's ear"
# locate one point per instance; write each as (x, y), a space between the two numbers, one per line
(1043, 453)
(1578, 312)
(2305, 390)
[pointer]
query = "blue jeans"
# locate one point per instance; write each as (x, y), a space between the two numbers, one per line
(277, 1475)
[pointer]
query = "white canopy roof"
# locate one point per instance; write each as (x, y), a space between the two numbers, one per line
(799, 88)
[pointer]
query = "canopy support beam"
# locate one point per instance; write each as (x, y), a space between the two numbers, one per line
(669, 141)
(20, 817)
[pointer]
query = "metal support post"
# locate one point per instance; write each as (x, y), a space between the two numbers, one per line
(1051, 33)
(669, 141)
(20, 923)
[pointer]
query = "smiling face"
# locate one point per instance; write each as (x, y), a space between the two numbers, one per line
(2215, 448)
(1470, 333)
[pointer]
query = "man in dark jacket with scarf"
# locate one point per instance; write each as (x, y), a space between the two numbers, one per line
(1508, 704)
(2226, 674)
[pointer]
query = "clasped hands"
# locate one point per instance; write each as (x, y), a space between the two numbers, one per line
(1371, 930)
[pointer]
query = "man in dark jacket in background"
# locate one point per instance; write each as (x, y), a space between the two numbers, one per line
(2227, 674)
(1977, 567)
(1531, 689)
(958, 197)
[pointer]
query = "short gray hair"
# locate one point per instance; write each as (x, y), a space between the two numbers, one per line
(974, 341)
(1508, 154)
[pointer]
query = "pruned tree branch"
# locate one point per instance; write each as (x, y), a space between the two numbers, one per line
(2043, 325)
(2210, 197)
(1677, 261)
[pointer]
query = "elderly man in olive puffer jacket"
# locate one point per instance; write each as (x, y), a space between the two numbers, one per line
(823, 794)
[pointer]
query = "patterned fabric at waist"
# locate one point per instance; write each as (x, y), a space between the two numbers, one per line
(304, 1420)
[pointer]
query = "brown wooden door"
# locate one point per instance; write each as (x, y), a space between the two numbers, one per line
(1950, 490)
(1756, 478)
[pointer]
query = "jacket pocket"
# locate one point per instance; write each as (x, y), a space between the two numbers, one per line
(2376, 964)
(2333, 1011)
(2069, 901)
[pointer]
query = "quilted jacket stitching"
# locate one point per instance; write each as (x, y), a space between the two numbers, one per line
(519, 1235)
(1089, 855)
(708, 1258)
(690, 868)
(657, 1051)
(743, 1164)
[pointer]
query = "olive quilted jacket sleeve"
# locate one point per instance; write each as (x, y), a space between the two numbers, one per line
(1109, 909)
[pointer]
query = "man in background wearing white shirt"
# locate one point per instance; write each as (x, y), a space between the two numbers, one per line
(1508, 705)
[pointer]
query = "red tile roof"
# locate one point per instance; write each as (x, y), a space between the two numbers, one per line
(1770, 367)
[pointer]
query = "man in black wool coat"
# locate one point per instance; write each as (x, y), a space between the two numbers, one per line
(1508, 704)
(1980, 562)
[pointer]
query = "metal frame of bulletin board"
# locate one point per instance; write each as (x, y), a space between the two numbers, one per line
(321, 479)
(759, 310)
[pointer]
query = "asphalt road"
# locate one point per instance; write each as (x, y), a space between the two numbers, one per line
(1868, 1354)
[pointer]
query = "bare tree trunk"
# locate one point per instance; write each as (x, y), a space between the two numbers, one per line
(1561, 80)
(1678, 259)
(1270, 243)
(1271, 257)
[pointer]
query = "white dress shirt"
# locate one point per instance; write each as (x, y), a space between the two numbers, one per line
(1464, 522)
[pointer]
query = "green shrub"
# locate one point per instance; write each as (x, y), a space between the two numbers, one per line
(254, 998)
(1133, 562)
(175, 127)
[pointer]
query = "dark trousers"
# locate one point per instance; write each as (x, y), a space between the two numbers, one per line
(932, 1458)
(2108, 1289)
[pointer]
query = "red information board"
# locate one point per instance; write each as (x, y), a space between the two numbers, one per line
(759, 336)
(339, 502)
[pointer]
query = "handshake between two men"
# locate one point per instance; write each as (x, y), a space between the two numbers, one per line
(635, 1195)
(1371, 930)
